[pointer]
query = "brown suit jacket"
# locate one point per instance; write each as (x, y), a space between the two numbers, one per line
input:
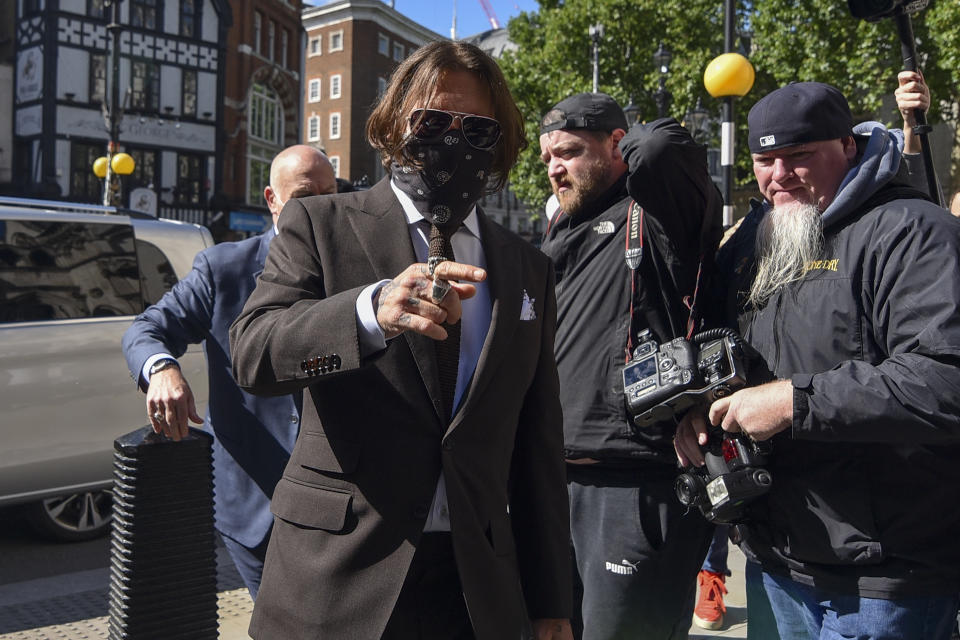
(354, 497)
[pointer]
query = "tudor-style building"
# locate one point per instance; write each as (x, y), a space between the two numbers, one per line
(171, 88)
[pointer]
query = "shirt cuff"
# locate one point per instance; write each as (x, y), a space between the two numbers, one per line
(145, 372)
(369, 332)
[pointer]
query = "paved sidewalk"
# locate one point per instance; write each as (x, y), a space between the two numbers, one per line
(735, 622)
(81, 616)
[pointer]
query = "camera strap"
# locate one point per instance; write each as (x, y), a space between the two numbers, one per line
(633, 254)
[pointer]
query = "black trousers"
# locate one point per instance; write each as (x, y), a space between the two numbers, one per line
(431, 604)
(636, 551)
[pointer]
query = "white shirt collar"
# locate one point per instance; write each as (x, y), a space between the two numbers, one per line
(414, 216)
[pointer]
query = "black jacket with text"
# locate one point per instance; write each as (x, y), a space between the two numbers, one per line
(667, 175)
(866, 481)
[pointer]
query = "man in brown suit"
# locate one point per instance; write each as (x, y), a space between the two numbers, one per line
(414, 505)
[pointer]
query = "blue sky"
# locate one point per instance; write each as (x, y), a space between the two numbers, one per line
(437, 15)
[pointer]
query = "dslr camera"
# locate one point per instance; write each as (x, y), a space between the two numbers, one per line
(732, 476)
(663, 381)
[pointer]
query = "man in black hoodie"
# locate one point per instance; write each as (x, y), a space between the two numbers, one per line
(637, 551)
(847, 283)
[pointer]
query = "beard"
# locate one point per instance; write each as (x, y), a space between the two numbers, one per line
(789, 237)
(583, 188)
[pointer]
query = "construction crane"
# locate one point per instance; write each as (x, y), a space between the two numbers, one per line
(491, 16)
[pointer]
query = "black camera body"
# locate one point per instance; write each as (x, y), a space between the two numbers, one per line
(663, 381)
(874, 10)
(732, 476)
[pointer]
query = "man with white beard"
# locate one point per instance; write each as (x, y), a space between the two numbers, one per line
(846, 282)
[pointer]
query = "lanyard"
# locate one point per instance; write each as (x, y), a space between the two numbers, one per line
(632, 255)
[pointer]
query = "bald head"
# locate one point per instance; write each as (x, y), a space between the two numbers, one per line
(297, 172)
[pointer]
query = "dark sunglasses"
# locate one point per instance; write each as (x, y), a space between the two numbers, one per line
(480, 132)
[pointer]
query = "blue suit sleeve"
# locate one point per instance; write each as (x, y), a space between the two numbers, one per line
(182, 317)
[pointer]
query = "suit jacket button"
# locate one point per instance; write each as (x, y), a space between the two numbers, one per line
(420, 512)
(294, 418)
(447, 445)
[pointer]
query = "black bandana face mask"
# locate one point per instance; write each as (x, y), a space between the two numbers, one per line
(450, 182)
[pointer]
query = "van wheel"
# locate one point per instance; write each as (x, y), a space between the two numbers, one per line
(80, 516)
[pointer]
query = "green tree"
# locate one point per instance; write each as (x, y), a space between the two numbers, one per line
(790, 40)
(554, 60)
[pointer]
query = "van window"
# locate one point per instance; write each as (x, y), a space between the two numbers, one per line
(62, 270)
(156, 273)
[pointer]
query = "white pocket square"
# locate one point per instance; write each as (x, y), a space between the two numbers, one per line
(527, 311)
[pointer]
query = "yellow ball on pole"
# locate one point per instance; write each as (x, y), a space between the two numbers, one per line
(729, 74)
(100, 167)
(122, 164)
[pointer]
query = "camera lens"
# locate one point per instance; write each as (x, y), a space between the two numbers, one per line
(689, 489)
(762, 478)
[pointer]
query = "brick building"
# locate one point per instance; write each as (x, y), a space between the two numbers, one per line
(261, 108)
(352, 48)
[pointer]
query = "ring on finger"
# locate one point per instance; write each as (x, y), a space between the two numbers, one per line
(158, 415)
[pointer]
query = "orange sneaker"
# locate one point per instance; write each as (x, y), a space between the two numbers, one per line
(708, 614)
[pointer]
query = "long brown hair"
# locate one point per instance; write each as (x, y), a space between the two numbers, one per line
(416, 80)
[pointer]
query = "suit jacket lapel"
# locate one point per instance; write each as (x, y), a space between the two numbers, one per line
(382, 231)
(503, 264)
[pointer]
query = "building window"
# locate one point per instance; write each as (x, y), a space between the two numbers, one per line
(313, 93)
(336, 41)
(189, 105)
(259, 158)
(145, 85)
(397, 51)
(31, 6)
(313, 129)
(190, 18)
(145, 163)
(96, 9)
(335, 163)
(84, 186)
(257, 27)
(271, 40)
(284, 46)
(266, 115)
(189, 178)
(334, 126)
(381, 86)
(314, 48)
(98, 78)
(335, 86)
(143, 13)
(383, 45)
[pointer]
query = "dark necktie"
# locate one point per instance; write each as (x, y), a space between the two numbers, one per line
(448, 351)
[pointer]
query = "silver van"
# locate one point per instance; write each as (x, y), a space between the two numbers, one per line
(72, 278)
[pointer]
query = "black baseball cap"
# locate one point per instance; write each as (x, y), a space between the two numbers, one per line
(797, 113)
(592, 111)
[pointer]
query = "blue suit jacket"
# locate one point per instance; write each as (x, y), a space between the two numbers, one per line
(253, 436)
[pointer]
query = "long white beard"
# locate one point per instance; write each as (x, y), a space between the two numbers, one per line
(789, 237)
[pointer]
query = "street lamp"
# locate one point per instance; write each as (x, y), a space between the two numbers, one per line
(113, 114)
(662, 97)
(697, 122)
(596, 34)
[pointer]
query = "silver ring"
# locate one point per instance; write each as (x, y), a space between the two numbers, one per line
(158, 415)
(440, 289)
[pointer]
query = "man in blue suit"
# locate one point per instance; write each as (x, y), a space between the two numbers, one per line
(253, 436)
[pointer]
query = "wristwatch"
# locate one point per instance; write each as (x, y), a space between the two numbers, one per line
(161, 364)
